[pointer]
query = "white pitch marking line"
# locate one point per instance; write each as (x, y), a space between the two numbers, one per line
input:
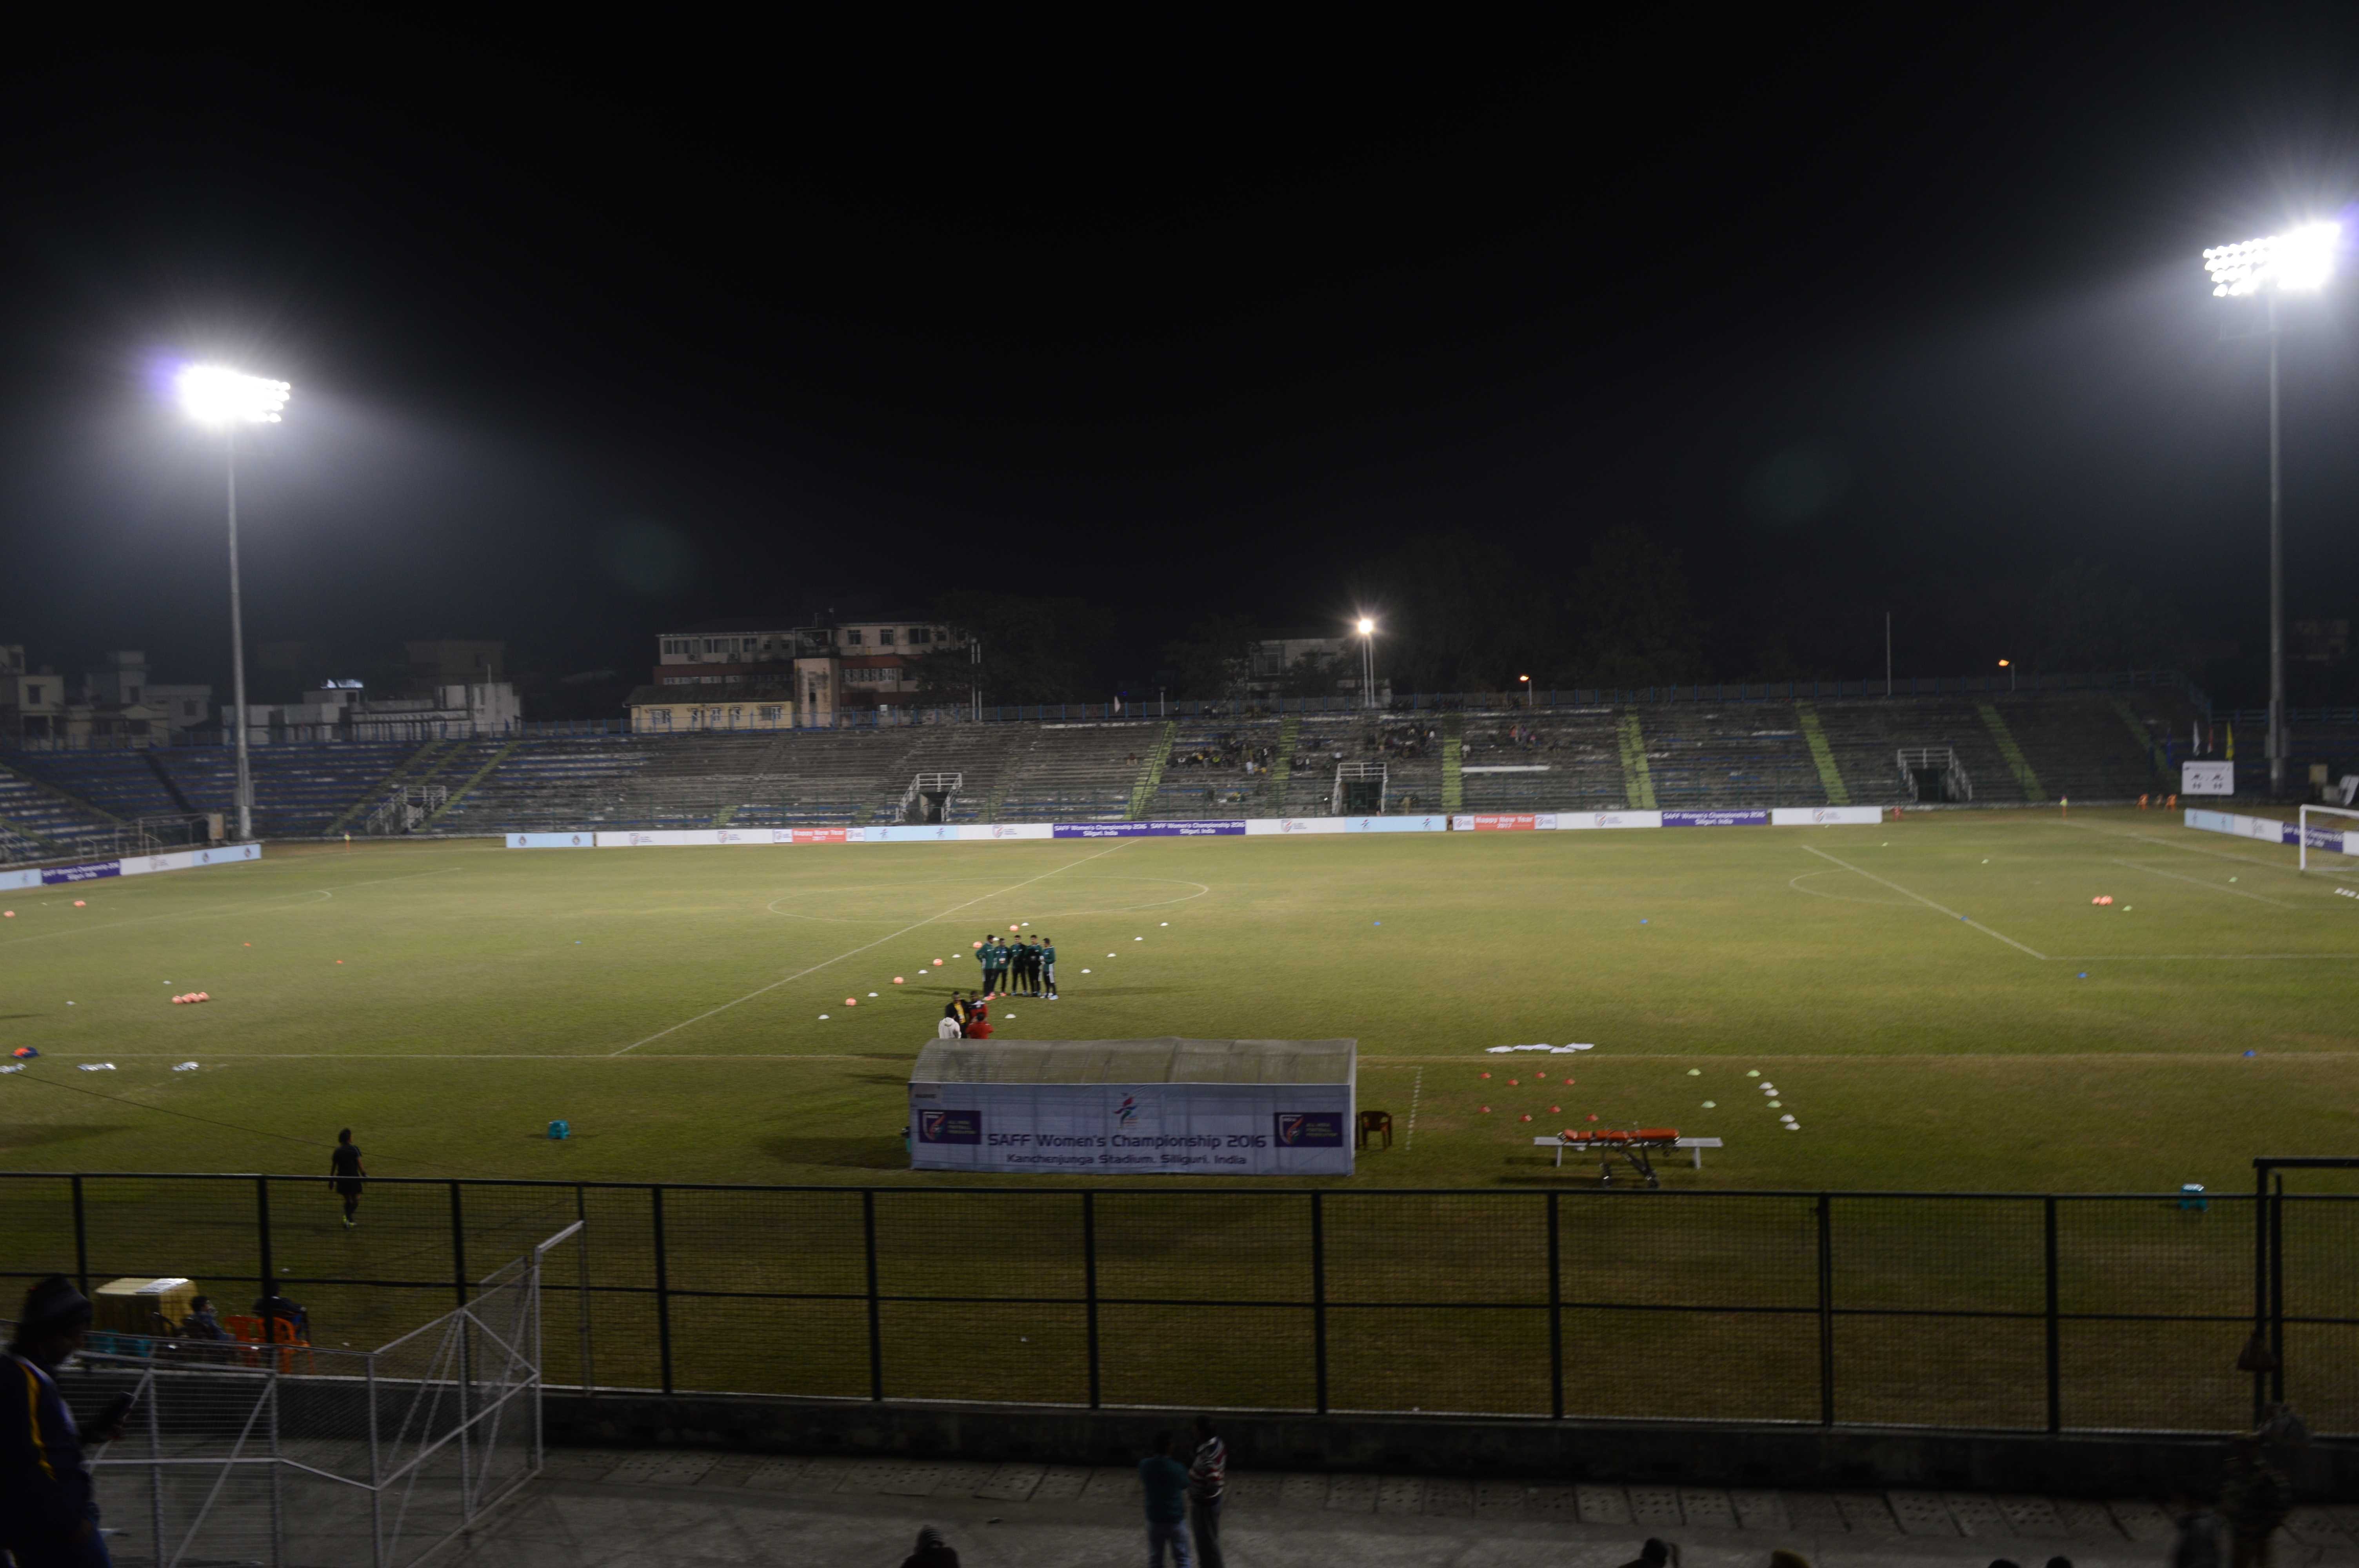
(1416, 1093)
(1927, 903)
(823, 963)
(2199, 881)
(269, 904)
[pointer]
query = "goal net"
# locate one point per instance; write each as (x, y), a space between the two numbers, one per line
(2330, 835)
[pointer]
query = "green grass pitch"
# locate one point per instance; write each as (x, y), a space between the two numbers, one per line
(447, 1000)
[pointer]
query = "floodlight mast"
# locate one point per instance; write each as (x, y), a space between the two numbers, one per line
(2302, 260)
(1368, 630)
(221, 400)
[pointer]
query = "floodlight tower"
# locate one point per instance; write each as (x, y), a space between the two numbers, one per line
(221, 399)
(2300, 260)
(1368, 630)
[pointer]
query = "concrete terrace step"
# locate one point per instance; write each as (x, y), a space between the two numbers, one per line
(783, 1509)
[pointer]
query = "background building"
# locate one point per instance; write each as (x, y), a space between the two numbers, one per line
(727, 674)
(116, 705)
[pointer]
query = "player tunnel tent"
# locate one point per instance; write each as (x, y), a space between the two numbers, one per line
(1269, 1107)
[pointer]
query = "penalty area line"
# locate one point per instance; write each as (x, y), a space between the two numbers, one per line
(1929, 904)
(2199, 881)
(864, 947)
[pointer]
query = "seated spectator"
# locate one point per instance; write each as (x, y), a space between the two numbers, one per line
(203, 1322)
(276, 1308)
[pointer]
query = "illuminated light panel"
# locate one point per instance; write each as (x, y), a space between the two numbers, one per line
(2299, 259)
(213, 395)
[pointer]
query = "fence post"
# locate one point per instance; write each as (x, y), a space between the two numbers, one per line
(2277, 1292)
(663, 1289)
(2260, 1281)
(581, 1257)
(1090, 1284)
(1556, 1314)
(2055, 1336)
(1318, 1300)
(1826, 1312)
(875, 1327)
(458, 1247)
(81, 1242)
(262, 1233)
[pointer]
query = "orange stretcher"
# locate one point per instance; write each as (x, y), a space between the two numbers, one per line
(1634, 1149)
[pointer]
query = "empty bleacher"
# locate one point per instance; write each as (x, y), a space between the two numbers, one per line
(33, 812)
(2089, 745)
(1063, 773)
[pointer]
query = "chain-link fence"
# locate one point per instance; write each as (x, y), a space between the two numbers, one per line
(288, 1452)
(2014, 1311)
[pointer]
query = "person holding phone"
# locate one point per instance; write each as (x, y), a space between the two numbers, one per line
(48, 1512)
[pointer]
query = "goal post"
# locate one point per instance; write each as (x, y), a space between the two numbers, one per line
(2341, 842)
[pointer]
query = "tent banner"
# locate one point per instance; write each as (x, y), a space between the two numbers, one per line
(1230, 1129)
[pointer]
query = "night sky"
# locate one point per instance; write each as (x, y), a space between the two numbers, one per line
(1178, 317)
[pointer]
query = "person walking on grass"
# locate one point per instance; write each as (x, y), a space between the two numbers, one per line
(1165, 1482)
(1049, 964)
(344, 1173)
(1208, 1479)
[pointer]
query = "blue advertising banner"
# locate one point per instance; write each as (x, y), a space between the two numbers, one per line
(1716, 820)
(58, 874)
(1308, 1129)
(950, 1127)
(1206, 829)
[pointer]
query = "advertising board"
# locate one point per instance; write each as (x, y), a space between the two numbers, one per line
(2207, 778)
(1232, 1129)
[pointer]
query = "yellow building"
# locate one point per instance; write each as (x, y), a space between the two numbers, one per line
(682, 710)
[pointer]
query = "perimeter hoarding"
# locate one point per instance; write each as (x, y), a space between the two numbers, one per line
(131, 866)
(1228, 1129)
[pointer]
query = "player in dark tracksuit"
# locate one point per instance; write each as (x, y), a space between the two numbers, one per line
(1049, 964)
(1028, 967)
(49, 1516)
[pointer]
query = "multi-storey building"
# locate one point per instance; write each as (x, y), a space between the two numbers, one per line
(761, 674)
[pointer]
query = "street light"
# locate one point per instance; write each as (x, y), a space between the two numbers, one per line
(2301, 260)
(2010, 673)
(222, 399)
(1530, 701)
(1368, 630)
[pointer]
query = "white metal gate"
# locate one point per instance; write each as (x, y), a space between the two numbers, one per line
(295, 1455)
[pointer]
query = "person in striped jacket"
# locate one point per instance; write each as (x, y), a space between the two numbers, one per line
(1208, 1478)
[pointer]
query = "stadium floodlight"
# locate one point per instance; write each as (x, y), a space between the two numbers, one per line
(1366, 627)
(2300, 261)
(1529, 700)
(222, 399)
(2010, 667)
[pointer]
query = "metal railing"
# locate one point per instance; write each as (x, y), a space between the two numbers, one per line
(1986, 1311)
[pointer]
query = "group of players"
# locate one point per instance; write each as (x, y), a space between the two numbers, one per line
(1026, 967)
(1021, 967)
